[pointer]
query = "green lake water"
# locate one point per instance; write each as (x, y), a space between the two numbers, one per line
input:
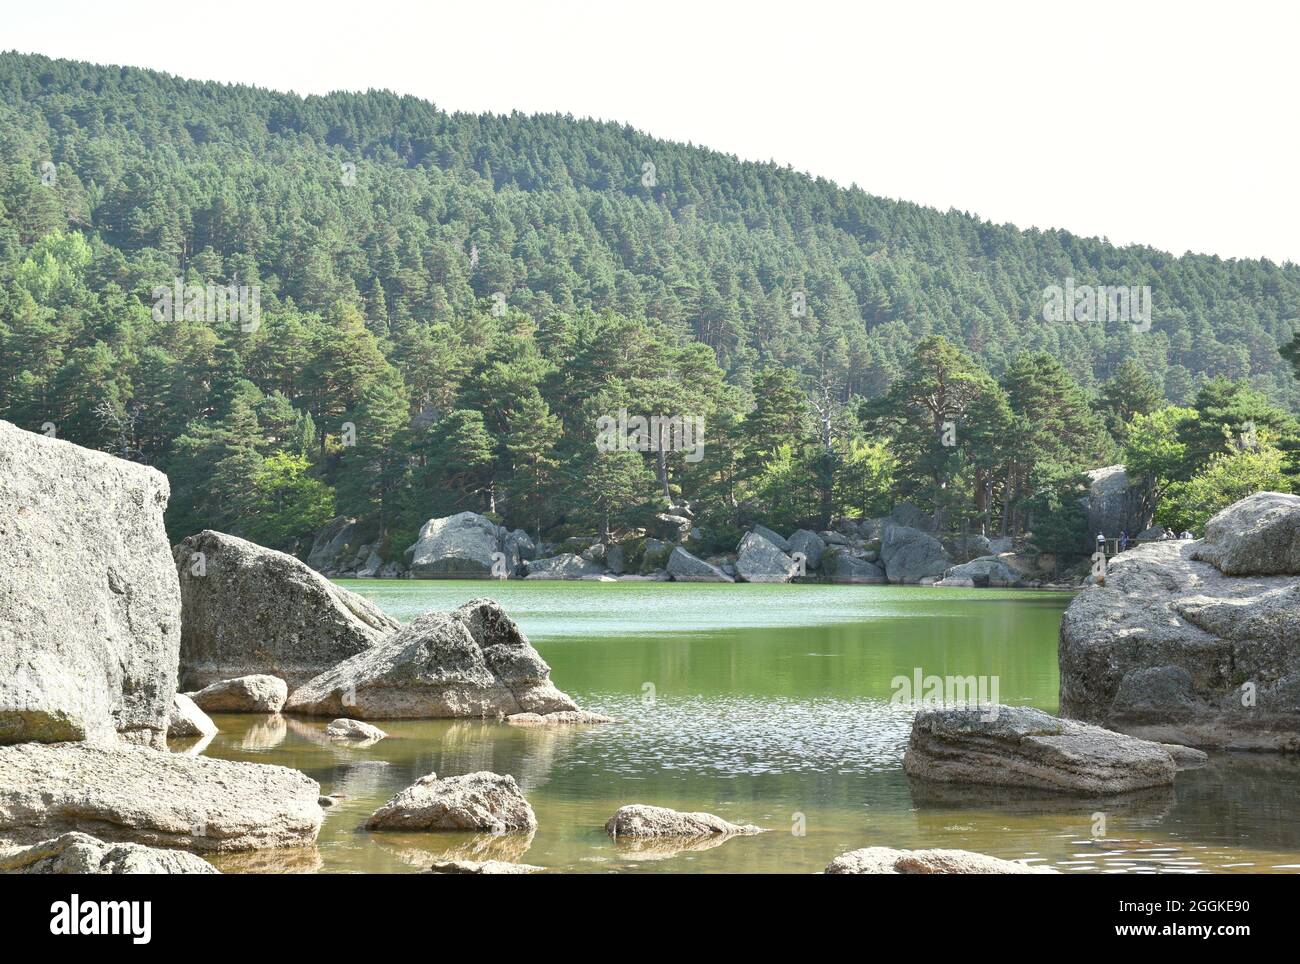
(767, 705)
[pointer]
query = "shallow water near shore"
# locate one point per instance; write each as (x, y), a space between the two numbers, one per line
(766, 705)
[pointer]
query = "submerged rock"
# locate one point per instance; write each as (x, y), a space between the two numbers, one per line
(159, 799)
(482, 867)
(1172, 650)
(684, 567)
(345, 729)
(1186, 757)
(89, 606)
(886, 860)
(471, 662)
(187, 720)
(759, 560)
(639, 820)
(80, 853)
(250, 610)
(246, 694)
(563, 718)
(1020, 746)
(488, 802)
(1258, 536)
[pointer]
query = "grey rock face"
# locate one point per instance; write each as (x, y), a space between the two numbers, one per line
(986, 571)
(639, 820)
(911, 555)
(458, 546)
(1113, 505)
(840, 567)
(472, 662)
(810, 544)
(1024, 747)
(245, 694)
(967, 548)
(334, 545)
(487, 802)
(654, 555)
(80, 853)
(886, 860)
(1258, 536)
(775, 538)
(564, 566)
(671, 528)
(248, 610)
(1173, 650)
(187, 720)
(154, 798)
(909, 516)
(684, 567)
(758, 560)
(518, 548)
(615, 560)
(89, 607)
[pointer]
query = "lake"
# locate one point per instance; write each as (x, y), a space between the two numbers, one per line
(765, 704)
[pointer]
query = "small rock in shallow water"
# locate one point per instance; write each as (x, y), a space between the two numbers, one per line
(561, 718)
(1186, 757)
(345, 729)
(886, 860)
(245, 694)
(639, 820)
(484, 801)
(482, 867)
(187, 720)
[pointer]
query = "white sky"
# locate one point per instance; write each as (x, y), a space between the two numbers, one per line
(1169, 124)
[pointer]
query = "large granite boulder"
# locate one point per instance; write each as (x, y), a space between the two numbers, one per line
(671, 527)
(460, 546)
(810, 544)
(909, 516)
(654, 555)
(1171, 649)
(518, 548)
(248, 610)
(886, 860)
(759, 560)
(839, 566)
(983, 572)
(160, 799)
(473, 662)
(80, 853)
(187, 720)
(486, 802)
(1114, 505)
(90, 613)
(564, 566)
(1258, 536)
(911, 555)
(684, 567)
(244, 694)
(1020, 746)
(639, 820)
(775, 538)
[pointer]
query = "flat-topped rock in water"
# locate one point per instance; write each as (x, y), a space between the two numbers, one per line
(759, 560)
(246, 694)
(887, 860)
(1019, 746)
(472, 662)
(482, 867)
(487, 802)
(89, 606)
(640, 820)
(253, 611)
(562, 718)
(187, 720)
(136, 795)
(986, 571)
(1258, 536)
(80, 853)
(684, 567)
(1170, 649)
(459, 546)
(356, 730)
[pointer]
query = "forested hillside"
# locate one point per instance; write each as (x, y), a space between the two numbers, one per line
(471, 292)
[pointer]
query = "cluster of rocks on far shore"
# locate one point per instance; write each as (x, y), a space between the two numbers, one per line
(900, 548)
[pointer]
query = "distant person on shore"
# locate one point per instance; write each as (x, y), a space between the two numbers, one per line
(1123, 540)
(1101, 543)
(1187, 535)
